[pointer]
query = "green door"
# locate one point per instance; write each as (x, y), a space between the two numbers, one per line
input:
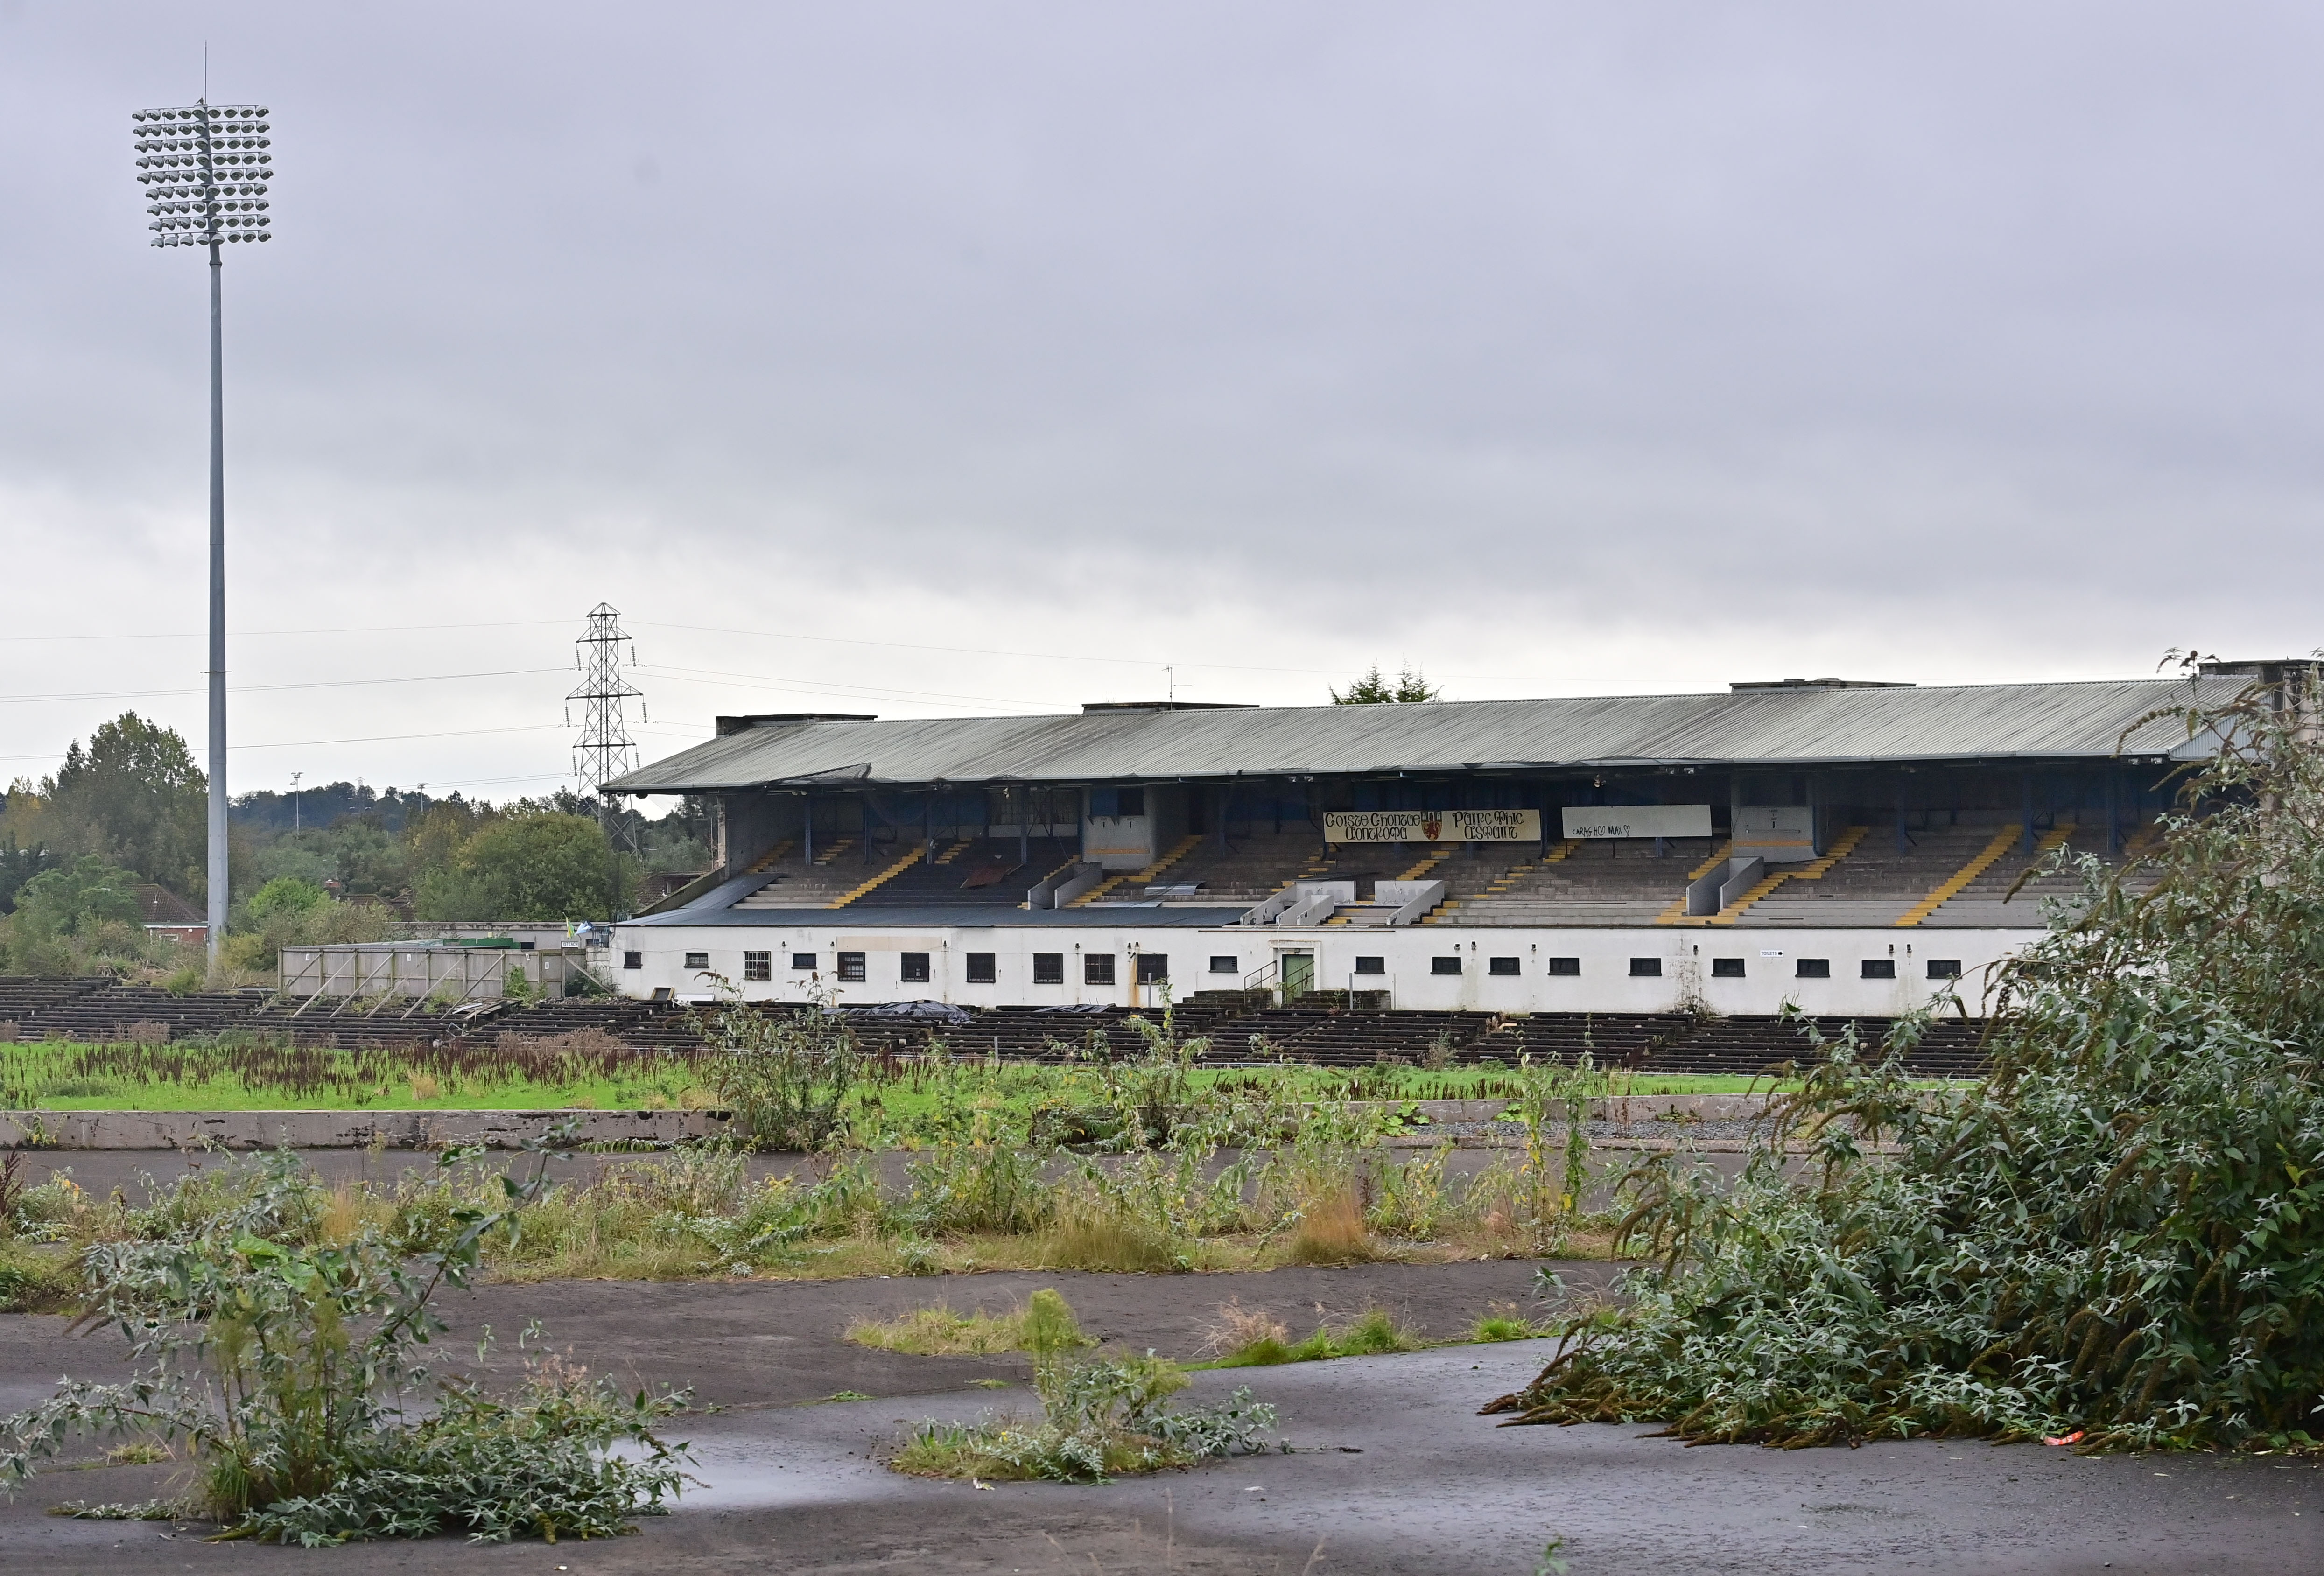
(1298, 974)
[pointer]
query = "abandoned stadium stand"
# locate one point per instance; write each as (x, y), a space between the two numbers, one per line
(1854, 851)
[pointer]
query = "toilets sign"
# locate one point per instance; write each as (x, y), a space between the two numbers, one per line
(1431, 825)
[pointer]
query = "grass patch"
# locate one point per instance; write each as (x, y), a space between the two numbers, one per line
(914, 1104)
(37, 1278)
(1267, 1341)
(1099, 1417)
(1042, 1322)
(1506, 1322)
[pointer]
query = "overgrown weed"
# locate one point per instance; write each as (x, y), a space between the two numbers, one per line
(294, 1369)
(1100, 1416)
(2111, 1240)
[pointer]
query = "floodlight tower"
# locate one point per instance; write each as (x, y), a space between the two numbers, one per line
(205, 170)
(604, 749)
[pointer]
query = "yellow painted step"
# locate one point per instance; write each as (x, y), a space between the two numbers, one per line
(1152, 872)
(1676, 913)
(1420, 871)
(1992, 854)
(889, 875)
(834, 851)
(772, 857)
(1814, 871)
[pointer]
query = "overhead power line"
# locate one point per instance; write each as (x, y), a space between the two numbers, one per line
(265, 689)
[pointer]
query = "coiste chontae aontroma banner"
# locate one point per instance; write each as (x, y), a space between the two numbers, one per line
(1431, 825)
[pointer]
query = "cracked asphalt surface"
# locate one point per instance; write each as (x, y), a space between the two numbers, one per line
(1392, 1468)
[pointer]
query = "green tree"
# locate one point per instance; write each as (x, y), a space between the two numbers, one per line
(538, 867)
(1407, 689)
(135, 797)
(285, 896)
(78, 898)
(26, 830)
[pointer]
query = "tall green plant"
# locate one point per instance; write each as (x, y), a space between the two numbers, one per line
(295, 1368)
(2118, 1237)
(788, 1078)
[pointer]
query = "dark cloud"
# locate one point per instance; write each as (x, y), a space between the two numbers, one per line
(1558, 348)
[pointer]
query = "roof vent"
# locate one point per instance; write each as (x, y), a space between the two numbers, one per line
(1820, 684)
(1169, 706)
(2271, 668)
(744, 724)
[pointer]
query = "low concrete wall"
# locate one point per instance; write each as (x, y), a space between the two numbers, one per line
(343, 1130)
(1675, 1109)
(508, 1129)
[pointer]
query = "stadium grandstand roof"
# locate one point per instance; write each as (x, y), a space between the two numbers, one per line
(1785, 726)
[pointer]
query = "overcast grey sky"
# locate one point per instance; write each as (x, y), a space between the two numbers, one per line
(1557, 349)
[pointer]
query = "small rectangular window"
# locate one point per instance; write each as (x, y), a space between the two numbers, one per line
(1501, 966)
(1444, 965)
(982, 970)
(1153, 967)
(1097, 968)
(1565, 965)
(1225, 963)
(698, 960)
(850, 968)
(1879, 968)
(1371, 965)
(1944, 967)
(758, 966)
(916, 968)
(1646, 968)
(633, 960)
(1726, 968)
(1812, 968)
(1048, 968)
(802, 960)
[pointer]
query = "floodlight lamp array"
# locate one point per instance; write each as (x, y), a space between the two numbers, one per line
(205, 169)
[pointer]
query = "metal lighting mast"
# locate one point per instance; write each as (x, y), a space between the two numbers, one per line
(205, 170)
(604, 749)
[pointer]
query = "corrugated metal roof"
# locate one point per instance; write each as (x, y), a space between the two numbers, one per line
(1763, 727)
(936, 916)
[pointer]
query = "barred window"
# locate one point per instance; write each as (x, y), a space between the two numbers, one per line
(1879, 968)
(698, 960)
(758, 966)
(850, 968)
(633, 960)
(1048, 968)
(1097, 968)
(983, 969)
